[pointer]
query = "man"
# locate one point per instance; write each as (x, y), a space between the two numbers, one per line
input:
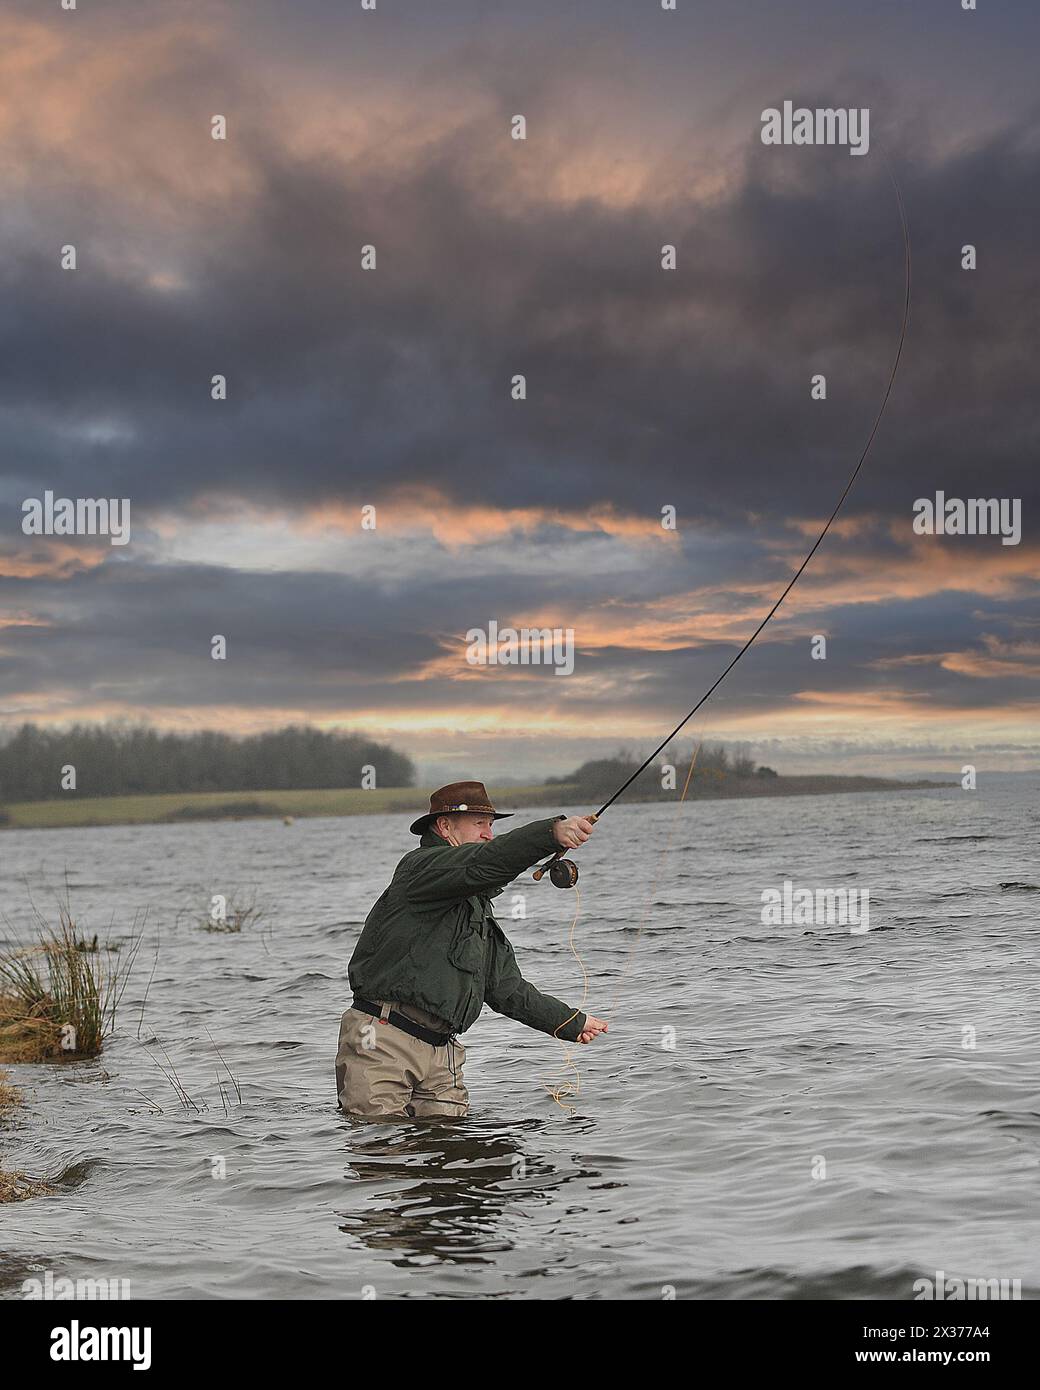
(431, 955)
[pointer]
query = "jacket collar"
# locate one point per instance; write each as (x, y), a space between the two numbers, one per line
(430, 840)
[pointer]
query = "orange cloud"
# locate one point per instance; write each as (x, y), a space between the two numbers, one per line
(811, 716)
(53, 74)
(46, 557)
(898, 703)
(838, 574)
(457, 524)
(96, 97)
(418, 511)
(1000, 658)
(975, 664)
(926, 565)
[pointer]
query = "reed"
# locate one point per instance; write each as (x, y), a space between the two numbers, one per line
(239, 912)
(16, 1186)
(10, 1096)
(58, 1000)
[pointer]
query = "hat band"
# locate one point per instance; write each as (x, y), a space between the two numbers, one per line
(463, 806)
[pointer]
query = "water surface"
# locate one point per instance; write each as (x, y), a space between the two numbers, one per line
(688, 1160)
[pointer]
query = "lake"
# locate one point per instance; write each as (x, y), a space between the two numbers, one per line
(777, 1111)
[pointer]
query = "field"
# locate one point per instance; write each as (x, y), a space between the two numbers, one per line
(194, 806)
(177, 807)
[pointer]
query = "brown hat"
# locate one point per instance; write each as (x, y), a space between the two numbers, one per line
(457, 796)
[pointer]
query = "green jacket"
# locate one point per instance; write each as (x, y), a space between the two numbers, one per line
(432, 941)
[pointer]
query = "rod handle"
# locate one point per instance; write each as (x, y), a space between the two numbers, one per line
(540, 873)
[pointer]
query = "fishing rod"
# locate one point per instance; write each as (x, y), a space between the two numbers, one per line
(563, 873)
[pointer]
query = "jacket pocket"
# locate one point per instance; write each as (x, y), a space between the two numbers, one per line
(466, 951)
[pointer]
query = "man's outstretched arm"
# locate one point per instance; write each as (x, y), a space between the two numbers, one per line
(507, 992)
(456, 871)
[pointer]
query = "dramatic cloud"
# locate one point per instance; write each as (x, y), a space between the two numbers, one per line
(646, 389)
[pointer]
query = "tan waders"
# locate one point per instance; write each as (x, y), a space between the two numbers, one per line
(382, 1072)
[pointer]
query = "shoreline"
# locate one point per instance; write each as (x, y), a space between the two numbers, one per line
(193, 808)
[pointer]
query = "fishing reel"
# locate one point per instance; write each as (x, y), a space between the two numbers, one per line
(563, 873)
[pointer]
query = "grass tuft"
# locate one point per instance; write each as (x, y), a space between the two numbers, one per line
(58, 1001)
(239, 912)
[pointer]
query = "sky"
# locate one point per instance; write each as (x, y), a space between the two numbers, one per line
(646, 388)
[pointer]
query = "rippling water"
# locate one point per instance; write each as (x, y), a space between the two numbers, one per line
(687, 1167)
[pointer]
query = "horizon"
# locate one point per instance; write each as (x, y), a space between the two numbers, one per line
(762, 753)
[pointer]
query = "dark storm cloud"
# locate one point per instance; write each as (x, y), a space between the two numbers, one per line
(149, 628)
(645, 387)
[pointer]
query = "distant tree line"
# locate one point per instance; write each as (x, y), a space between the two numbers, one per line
(602, 776)
(121, 760)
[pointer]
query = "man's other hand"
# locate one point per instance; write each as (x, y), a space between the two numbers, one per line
(569, 834)
(593, 1026)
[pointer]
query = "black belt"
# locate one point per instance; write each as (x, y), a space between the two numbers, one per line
(407, 1025)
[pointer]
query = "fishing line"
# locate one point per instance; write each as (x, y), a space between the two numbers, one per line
(653, 887)
(571, 1087)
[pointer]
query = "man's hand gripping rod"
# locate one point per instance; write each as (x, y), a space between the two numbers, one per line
(563, 873)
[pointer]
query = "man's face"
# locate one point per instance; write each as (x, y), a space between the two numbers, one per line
(465, 827)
